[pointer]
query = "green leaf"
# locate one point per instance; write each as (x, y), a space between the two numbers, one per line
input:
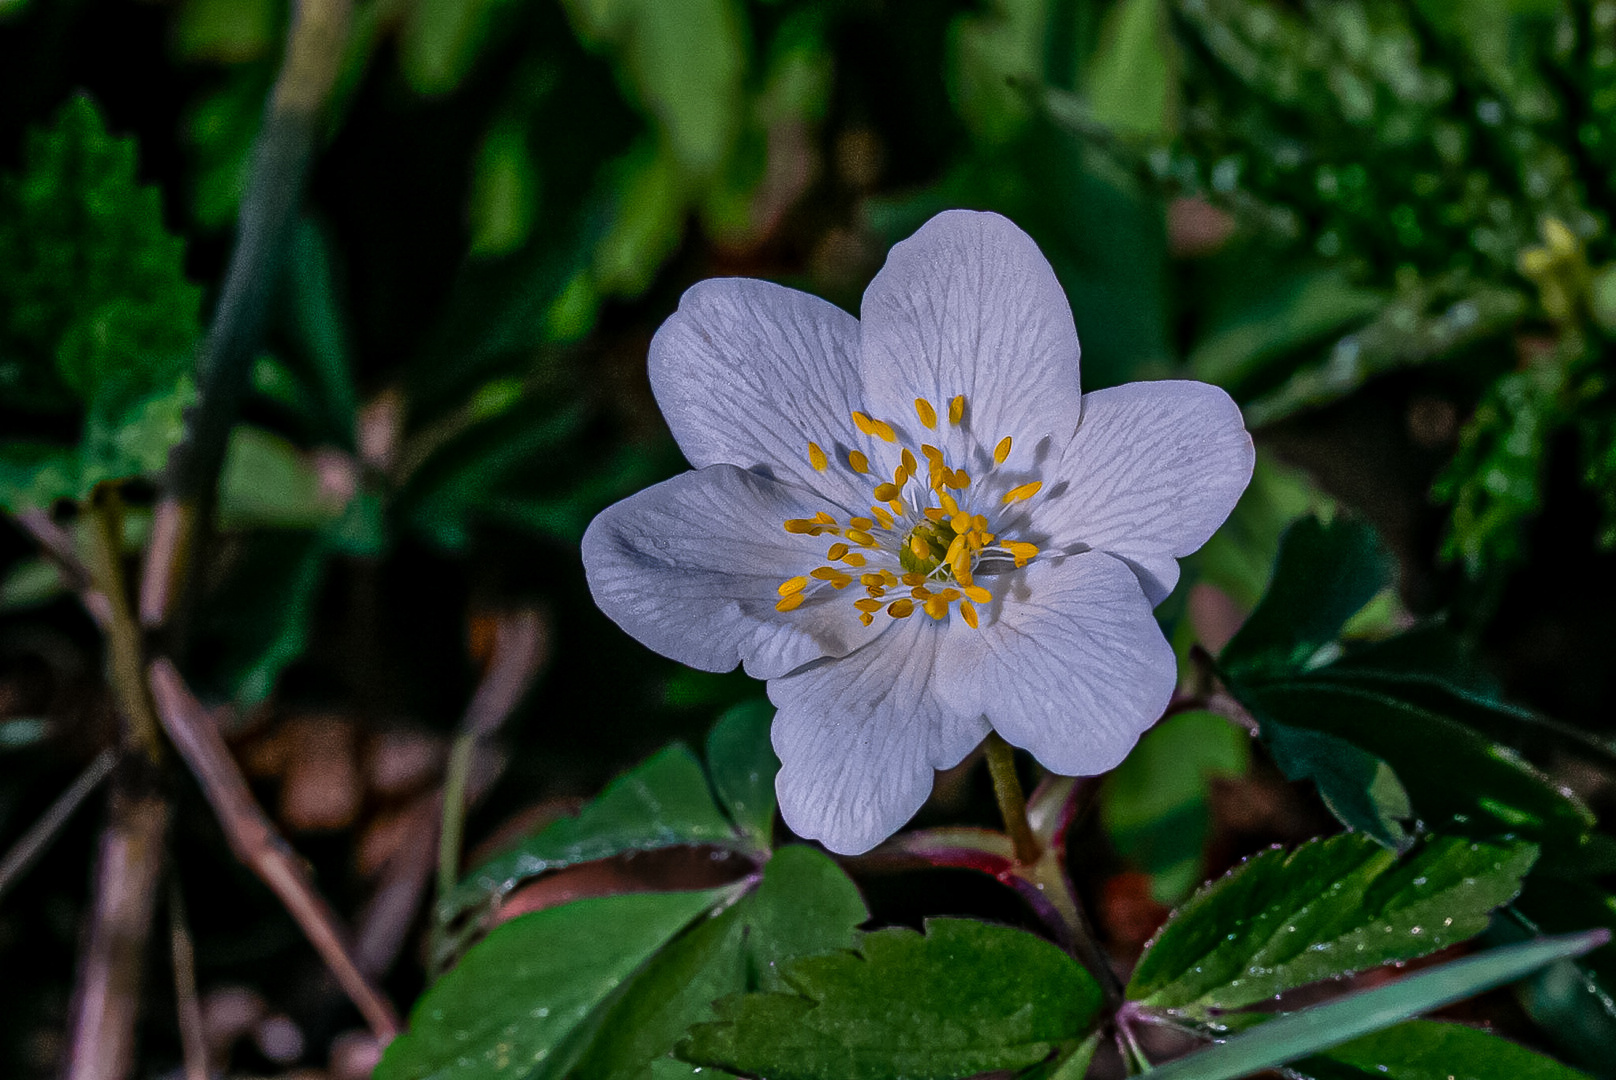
(1360, 789)
(509, 1006)
(1482, 789)
(662, 803)
(1432, 1050)
(1324, 575)
(96, 315)
(1299, 1034)
(268, 482)
(804, 905)
(963, 998)
(320, 334)
(1156, 803)
(1133, 77)
(1330, 908)
(742, 763)
(439, 41)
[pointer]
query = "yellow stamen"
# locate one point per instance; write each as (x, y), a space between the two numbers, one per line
(920, 592)
(956, 409)
(870, 426)
(910, 465)
(824, 518)
(901, 609)
(836, 551)
(831, 574)
(919, 546)
(950, 507)
(1001, 451)
(934, 513)
(1021, 551)
(978, 593)
(800, 525)
(792, 585)
(887, 492)
(817, 458)
(959, 478)
(880, 515)
(960, 563)
(860, 523)
(933, 455)
(859, 536)
(790, 603)
(871, 580)
(1025, 491)
(956, 548)
(960, 523)
(858, 462)
(867, 604)
(853, 558)
(950, 595)
(967, 612)
(866, 618)
(927, 414)
(913, 578)
(897, 507)
(889, 577)
(937, 607)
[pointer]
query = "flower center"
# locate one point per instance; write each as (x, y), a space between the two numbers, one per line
(920, 548)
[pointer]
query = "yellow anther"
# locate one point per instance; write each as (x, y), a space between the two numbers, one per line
(920, 592)
(937, 607)
(933, 455)
(950, 595)
(853, 558)
(897, 507)
(867, 604)
(956, 409)
(913, 578)
(792, 585)
(817, 458)
(901, 609)
(935, 513)
(961, 523)
(977, 593)
(918, 545)
(858, 462)
(790, 603)
(826, 573)
(866, 618)
(1001, 451)
(956, 548)
(962, 573)
(836, 551)
(859, 536)
(887, 492)
(983, 539)
(879, 428)
(927, 414)
(824, 518)
(1025, 491)
(800, 525)
(889, 577)
(860, 522)
(880, 515)
(872, 580)
(910, 465)
(967, 612)
(980, 521)
(1021, 551)
(960, 563)
(959, 478)
(950, 507)
(900, 476)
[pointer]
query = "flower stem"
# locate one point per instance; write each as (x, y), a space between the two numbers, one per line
(1012, 802)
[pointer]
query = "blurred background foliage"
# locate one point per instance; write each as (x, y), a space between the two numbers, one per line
(1383, 226)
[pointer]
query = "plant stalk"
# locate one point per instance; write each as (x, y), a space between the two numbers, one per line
(1012, 801)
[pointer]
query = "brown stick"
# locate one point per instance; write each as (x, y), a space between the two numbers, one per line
(34, 842)
(58, 546)
(258, 844)
(102, 1044)
(193, 1038)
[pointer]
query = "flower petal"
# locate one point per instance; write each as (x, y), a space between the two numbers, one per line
(749, 373)
(1154, 469)
(969, 305)
(859, 738)
(1073, 667)
(690, 568)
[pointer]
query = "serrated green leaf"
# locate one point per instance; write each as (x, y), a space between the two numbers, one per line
(1433, 1050)
(743, 764)
(1482, 789)
(665, 802)
(1156, 803)
(1330, 908)
(963, 998)
(1299, 1034)
(804, 905)
(96, 315)
(508, 1008)
(1324, 575)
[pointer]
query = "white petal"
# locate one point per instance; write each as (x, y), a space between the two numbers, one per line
(690, 568)
(1154, 469)
(968, 305)
(1073, 667)
(860, 737)
(749, 373)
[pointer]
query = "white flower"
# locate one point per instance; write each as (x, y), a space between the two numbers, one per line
(915, 526)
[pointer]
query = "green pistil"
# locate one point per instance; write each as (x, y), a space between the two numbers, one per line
(935, 537)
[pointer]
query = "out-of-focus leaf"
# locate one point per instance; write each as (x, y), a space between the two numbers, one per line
(804, 905)
(321, 334)
(1483, 789)
(508, 1008)
(228, 31)
(687, 59)
(742, 763)
(439, 41)
(1330, 908)
(992, 47)
(649, 222)
(220, 129)
(1361, 790)
(662, 803)
(1155, 804)
(95, 312)
(1241, 555)
(257, 622)
(269, 482)
(963, 998)
(1432, 1050)
(29, 583)
(1133, 77)
(1300, 1034)
(1324, 575)
(504, 192)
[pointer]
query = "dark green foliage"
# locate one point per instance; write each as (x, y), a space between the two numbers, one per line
(97, 321)
(1432, 1050)
(961, 999)
(1330, 908)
